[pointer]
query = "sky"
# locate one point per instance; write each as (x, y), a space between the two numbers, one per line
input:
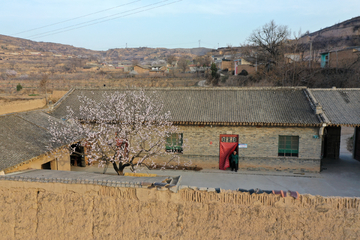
(107, 24)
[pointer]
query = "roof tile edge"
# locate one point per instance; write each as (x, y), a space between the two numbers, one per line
(193, 88)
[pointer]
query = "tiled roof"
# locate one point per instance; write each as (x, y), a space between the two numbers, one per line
(278, 106)
(23, 136)
(341, 106)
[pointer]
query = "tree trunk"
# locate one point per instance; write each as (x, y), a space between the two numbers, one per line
(120, 169)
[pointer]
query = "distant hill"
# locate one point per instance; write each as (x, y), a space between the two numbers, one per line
(141, 54)
(338, 36)
(20, 44)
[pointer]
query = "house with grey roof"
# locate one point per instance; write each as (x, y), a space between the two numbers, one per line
(270, 128)
(285, 129)
(24, 143)
(341, 107)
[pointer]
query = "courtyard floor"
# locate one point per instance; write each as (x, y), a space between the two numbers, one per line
(339, 177)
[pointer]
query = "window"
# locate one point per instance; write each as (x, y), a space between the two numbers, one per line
(289, 146)
(174, 143)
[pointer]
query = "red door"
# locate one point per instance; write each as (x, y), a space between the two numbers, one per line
(228, 144)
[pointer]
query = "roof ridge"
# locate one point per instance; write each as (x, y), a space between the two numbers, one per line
(62, 99)
(190, 88)
(334, 89)
(314, 104)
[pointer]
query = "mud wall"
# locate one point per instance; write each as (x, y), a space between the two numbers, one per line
(73, 211)
(56, 95)
(21, 105)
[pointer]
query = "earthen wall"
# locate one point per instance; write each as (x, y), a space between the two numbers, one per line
(85, 211)
(21, 105)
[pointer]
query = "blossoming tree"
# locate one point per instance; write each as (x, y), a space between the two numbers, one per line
(125, 129)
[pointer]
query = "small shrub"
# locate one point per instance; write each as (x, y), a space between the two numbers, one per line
(224, 78)
(243, 73)
(18, 87)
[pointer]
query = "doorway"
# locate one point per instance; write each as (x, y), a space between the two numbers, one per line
(357, 144)
(332, 142)
(228, 144)
(46, 166)
(77, 158)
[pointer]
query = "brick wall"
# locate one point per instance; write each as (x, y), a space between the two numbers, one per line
(202, 147)
(343, 59)
(227, 64)
(248, 68)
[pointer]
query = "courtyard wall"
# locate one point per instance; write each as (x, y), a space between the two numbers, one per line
(21, 105)
(33, 210)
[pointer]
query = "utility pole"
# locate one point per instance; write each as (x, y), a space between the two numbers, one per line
(126, 45)
(199, 43)
(256, 62)
(218, 45)
(310, 54)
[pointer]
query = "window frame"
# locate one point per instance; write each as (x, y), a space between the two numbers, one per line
(175, 144)
(288, 146)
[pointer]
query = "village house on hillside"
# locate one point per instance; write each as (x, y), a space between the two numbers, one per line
(283, 129)
(156, 70)
(340, 58)
(238, 65)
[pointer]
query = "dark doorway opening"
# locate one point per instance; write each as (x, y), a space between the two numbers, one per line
(77, 158)
(332, 142)
(46, 166)
(357, 143)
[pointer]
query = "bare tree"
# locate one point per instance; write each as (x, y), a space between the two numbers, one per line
(232, 51)
(269, 40)
(183, 63)
(135, 62)
(170, 60)
(207, 60)
(44, 85)
(125, 129)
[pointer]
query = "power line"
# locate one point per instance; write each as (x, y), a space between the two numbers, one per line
(71, 19)
(170, 44)
(94, 20)
(76, 26)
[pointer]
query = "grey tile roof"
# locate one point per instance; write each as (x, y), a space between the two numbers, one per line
(341, 106)
(23, 136)
(219, 105)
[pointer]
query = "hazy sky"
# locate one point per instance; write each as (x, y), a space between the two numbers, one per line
(179, 24)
